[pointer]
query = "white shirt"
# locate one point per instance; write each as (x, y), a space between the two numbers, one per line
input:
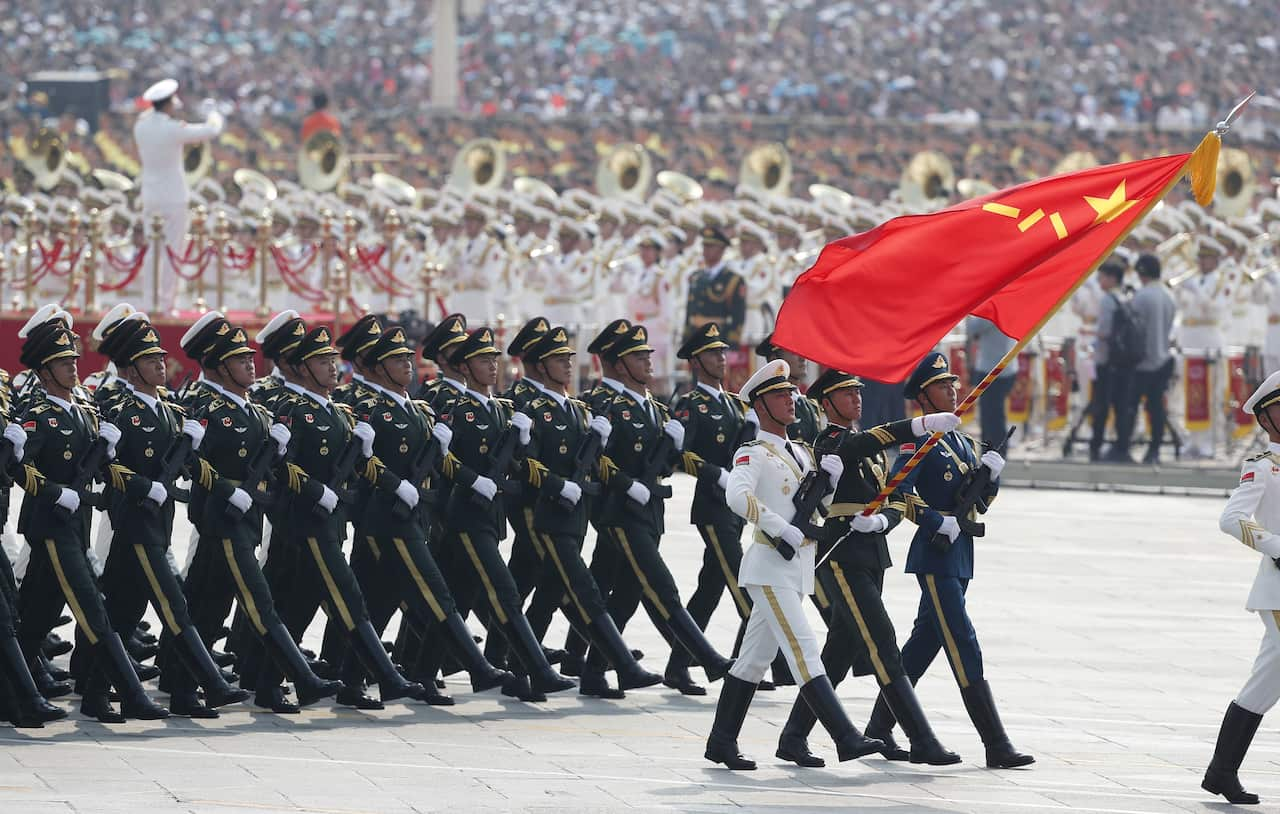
(612, 384)
(1252, 516)
(161, 140)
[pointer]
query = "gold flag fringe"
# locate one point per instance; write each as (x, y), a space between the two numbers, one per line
(1203, 168)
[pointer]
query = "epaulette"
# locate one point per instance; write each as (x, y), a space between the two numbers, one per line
(753, 442)
(162, 391)
(538, 402)
(217, 402)
(579, 402)
(43, 406)
(504, 402)
(343, 407)
(423, 404)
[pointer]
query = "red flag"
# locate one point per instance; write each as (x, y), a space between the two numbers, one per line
(875, 303)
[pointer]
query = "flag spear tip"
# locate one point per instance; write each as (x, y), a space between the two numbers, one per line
(1222, 127)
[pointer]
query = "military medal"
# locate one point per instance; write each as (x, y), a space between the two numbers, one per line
(324, 450)
(564, 449)
(149, 452)
(242, 452)
(719, 438)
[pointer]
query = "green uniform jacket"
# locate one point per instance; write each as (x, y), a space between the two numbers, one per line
(401, 433)
(632, 443)
(232, 435)
(477, 430)
(145, 438)
(319, 434)
(56, 443)
(558, 433)
(712, 426)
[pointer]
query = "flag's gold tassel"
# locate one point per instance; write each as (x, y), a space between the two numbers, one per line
(1203, 168)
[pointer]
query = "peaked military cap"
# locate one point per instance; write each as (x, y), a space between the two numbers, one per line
(766, 348)
(478, 343)
(527, 336)
(831, 381)
(281, 334)
(451, 330)
(554, 342)
(131, 341)
(774, 374)
(612, 333)
(391, 342)
(234, 342)
(1265, 396)
(636, 341)
(713, 234)
(200, 337)
(316, 342)
(359, 337)
(47, 342)
(702, 339)
(932, 368)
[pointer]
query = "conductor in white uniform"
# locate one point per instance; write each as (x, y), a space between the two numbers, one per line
(161, 140)
(1252, 516)
(765, 477)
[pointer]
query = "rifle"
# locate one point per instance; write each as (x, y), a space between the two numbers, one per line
(259, 466)
(90, 465)
(584, 460)
(342, 469)
(656, 466)
(969, 496)
(6, 456)
(423, 464)
(175, 459)
(808, 499)
(496, 466)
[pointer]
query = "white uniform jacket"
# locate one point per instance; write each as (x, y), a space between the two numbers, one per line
(762, 485)
(161, 139)
(1252, 516)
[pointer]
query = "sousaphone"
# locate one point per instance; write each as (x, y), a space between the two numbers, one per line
(767, 169)
(1236, 184)
(46, 158)
(927, 181)
(323, 162)
(625, 172)
(480, 164)
(683, 187)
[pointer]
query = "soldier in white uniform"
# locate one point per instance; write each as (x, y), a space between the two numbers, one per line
(1200, 299)
(762, 484)
(161, 141)
(1252, 516)
(476, 267)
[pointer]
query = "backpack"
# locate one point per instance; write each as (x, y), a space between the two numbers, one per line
(1128, 335)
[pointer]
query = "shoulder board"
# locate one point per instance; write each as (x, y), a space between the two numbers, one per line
(41, 407)
(346, 408)
(217, 403)
(752, 443)
(578, 402)
(539, 402)
(1254, 458)
(502, 401)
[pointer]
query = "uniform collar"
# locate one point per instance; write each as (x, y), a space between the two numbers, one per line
(612, 384)
(639, 399)
(403, 401)
(1272, 446)
(65, 405)
(770, 438)
(714, 392)
(153, 403)
(478, 396)
(243, 404)
(274, 374)
(454, 383)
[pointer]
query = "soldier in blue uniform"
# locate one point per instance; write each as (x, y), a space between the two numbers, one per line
(941, 557)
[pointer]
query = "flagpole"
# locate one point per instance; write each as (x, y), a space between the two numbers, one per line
(972, 397)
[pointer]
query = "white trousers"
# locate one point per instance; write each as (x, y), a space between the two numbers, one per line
(175, 236)
(777, 622)
(1262, 690)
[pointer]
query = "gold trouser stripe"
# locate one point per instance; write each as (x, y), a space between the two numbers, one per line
(338, 601)
(821, 596)
(564, 577)
(1275, 615)
(881, 673)
(246, 597)
(72, 600)
(789, 633)
(484, 577)
(952, 651)
(533, 535)
(414, 572)
(845, 509)
(730, 578)
(166, 612)
(640, 575)
(373, 546)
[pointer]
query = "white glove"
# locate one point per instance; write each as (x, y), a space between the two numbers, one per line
(994, 461)
(524, 424)
(328, 499)
(485, 487)
(950, 527)
(601, 427)
(69, 500)
(833, 466)
(281, 434)
(364, 432)
(241, 500)
(442, 434)
(723, 480)
(869, 524)
(193, 429)
(157, 493)
(571, 492)
(752, 418)
(215, 120)
(111, 434)
(639, 493)
(934, 422)
(407, 493)
(676, 430)
(792, 536)
(16, 436)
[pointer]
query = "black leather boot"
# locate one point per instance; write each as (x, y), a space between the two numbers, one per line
(608, 641)
(850, 743)
(48, 686)
(30, 709)
(793, 743)
(368, 647)
(195, 657)
(982, 711)
(687, 634)
(880, 726)
(134, 702)
(925, 747)
(484, 676)
(731, 711)
(1234, 737)
(524, 645)
(282, 649)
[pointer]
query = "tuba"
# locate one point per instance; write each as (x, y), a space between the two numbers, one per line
(680, 185)
(109, 179)
(322, 162)
(968, 188)
(926, 181)
(46, 158)
(831, 197)
(625, 173)
(197, 160)
(535, 189)
(397, 189)
(767, 168)
(254, 184)
(1236, 184)
(479, 164)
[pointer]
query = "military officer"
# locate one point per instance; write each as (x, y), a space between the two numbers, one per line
(475, 518)
(137, 568)
(1252, 516)
(717, 293)
(941, 557)
(445, 389)
(195, 343)
(557, 472)
(765, 477)
(713, 422)
(636, 460)
(276, 338)
(351, 346)
(229, 514)
(861, 635)
(808, 419)
(62, 454)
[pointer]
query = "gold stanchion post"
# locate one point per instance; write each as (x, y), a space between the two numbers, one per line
(221, 236)
(29, 281)
(90, 263)
(73, 246)
(264, 261)
(391, 228)
(157, 257)
(196, 238)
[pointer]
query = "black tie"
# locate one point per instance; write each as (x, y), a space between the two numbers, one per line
(794, 456)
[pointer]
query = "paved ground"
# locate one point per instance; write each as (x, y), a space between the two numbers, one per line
(1112, 627)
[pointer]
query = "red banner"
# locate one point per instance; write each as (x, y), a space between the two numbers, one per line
(1018, 404)
(1057, 389)
(1195, 383)
(1238, 392)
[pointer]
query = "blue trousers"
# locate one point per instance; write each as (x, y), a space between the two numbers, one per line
(942, 621)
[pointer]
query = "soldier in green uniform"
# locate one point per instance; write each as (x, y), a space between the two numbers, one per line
(276, 338)
(137, 568)
(194, 398)
(443, 390)
(475, 517)
(861, 636)
(109, 384)
(634, 506)
(60, 436)
(396, 518)
(351, 346)
(561, 432)
(717, 293)
(229, 515)
(714, 423)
